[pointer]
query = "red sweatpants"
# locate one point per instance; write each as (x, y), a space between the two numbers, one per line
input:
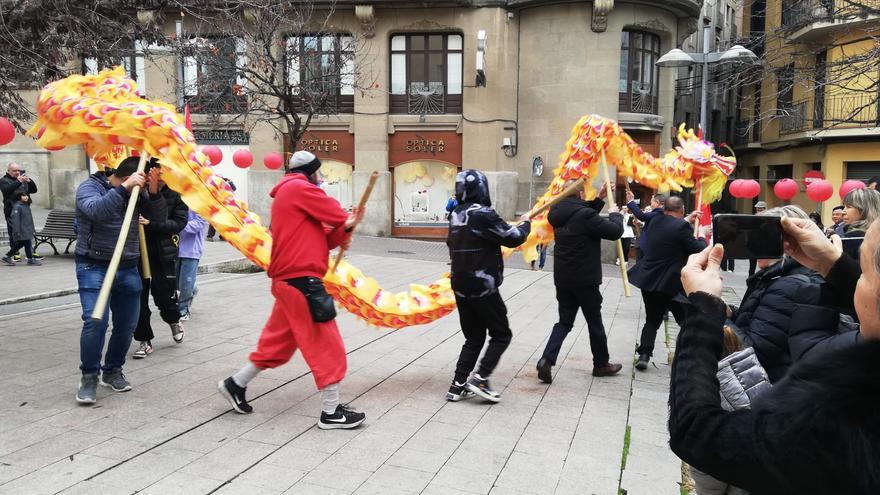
(290, 327)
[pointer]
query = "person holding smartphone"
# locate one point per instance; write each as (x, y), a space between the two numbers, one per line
(11, 184)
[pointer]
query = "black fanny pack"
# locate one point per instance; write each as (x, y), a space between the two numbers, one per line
(320, 303)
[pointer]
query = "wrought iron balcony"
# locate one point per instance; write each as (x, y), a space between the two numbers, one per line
(426, 99)
(809, 18)
(836, 111)
(217, 103)
(641, 99)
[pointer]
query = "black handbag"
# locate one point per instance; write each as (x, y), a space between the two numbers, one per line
(320, 303)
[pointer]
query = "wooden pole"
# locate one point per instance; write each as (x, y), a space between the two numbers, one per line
(610, 195)
(699, 207)
(361, 205)
(145, 258)
(110, 276)
(636, 228)
(578, 184)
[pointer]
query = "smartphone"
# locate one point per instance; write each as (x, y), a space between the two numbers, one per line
(748, 236)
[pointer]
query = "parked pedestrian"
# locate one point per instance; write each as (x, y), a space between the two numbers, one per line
(542, 256)
(753, 262)
(816, 431)
(162, 237)
(100, 205)
(476, 234)
(192, 243)
(657, 274)
(577, 274)
(837, 216)
(22, 222)
(861, 208)
(15, 180)
(628, 234)
(303, 315)
(211, 230)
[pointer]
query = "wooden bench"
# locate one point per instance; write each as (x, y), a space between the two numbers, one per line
(59, 225)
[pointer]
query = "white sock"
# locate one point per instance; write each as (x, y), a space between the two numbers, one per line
(330, 398)
(246, 374)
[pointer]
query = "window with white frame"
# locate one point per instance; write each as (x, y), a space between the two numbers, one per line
(131, 60)
(426, 73)
(321, 72)
(212, 78)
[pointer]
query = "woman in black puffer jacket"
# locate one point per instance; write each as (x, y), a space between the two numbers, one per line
(787, 311)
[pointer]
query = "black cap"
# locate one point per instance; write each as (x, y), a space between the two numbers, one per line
(126, 167)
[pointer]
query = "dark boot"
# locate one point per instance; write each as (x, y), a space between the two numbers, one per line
(608, 370)
(642, 364)
(544, 370)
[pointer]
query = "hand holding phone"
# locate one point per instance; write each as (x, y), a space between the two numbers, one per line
(749, 236)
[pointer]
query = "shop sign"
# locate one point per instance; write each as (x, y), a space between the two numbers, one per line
(221, 136)
(335, 145)
(407, 146)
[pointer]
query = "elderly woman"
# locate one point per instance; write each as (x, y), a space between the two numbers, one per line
(860, 208)
(817, 431)
(786, 309)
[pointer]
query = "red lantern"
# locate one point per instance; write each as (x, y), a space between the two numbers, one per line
(273, 160)
(820, 190)
(7, 132)
(214, 154)
(750, 188)
(735, 188)
(242, 158)
(849, 186)
(785, 189)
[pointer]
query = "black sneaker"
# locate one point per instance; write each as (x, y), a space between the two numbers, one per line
(457, 392)
(643, 361)
(544, 370)
(344, 418)
(480, 386)
(235, 395)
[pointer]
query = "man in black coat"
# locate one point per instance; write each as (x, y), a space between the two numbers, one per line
(14, 181)
(658, 273)
(577, 273)
(162, 236)
(645, 217)
(817, 430)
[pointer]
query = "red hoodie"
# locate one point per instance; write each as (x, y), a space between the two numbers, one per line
(306, 225)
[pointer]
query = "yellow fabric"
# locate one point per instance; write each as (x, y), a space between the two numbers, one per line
(104, 113)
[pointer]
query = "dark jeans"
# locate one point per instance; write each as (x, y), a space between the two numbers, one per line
(477, 316)
(589, 300)
(626, 242)
(14, 246)
(163, 286)
(124, 306)
(656, 306)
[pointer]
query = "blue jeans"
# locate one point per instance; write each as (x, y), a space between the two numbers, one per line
(186, 282)
(125, 305)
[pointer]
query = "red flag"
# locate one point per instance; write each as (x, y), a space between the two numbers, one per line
(187, 118)
(706, 219)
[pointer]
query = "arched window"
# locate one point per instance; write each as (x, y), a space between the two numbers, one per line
(639, 77)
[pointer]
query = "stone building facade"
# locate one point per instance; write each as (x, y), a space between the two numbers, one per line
(544, 65)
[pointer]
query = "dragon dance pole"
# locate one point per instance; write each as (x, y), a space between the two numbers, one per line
(699, 207)
(574, 187)
(610, 195)
(110, 276)
(361, 205)
(145, 258)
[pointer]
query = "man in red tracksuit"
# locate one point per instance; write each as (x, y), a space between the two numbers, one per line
(306, 225)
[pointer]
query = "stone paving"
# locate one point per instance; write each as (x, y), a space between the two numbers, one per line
(174, 434)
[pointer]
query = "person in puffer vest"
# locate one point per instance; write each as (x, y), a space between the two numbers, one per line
(476, 234)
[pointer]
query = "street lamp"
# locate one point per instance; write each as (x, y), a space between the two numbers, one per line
(678, 58)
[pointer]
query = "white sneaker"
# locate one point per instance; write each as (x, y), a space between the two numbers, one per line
(177, 332)
(143, 350)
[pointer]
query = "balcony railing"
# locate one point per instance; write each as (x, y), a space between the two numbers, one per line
(800, 13)
(841, 111)
(429, 98)
(641, 99)
(217, 103)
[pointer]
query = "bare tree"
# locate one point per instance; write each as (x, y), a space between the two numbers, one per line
(839, 71)
(44, 40)
(277, 62)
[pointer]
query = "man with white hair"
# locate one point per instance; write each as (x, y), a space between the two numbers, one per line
(15, 180)
(306, 225)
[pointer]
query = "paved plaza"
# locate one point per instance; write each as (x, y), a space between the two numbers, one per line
(174, 434)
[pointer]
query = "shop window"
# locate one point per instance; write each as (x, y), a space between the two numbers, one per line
(426, 73)
(211, 82)
(639, 77)
(776, 173)
(421, 190)
(337, 181)
(131, 60)
(321, 72)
